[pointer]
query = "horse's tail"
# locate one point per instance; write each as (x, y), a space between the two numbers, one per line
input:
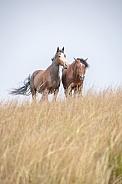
(24, 90)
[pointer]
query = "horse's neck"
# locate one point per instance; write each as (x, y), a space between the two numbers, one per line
(74, 69)
(54, 69)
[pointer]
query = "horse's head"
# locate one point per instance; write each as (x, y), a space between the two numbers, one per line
(60, 58)
(80, 67)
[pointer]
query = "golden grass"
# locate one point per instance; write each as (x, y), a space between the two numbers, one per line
(67, 142)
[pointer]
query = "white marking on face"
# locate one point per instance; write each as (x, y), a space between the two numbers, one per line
(62, 55)
(63, 58)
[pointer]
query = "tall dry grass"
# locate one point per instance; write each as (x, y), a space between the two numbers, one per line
(68, 142)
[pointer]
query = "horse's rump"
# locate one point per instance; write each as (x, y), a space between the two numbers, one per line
(36, 79)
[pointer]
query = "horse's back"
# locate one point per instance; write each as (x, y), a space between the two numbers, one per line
(38, 72)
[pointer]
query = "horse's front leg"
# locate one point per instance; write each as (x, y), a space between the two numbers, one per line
(69, 90)
(55, 94)
(65, 92)
(79, 90)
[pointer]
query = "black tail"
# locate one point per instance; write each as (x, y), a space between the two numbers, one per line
(24, 90)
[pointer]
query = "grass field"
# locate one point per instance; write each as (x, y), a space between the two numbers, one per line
(73, 141)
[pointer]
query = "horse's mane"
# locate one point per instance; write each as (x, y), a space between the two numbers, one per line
(83, 62)
(52, 59)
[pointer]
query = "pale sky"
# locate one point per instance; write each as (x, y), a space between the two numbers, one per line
(31, 31)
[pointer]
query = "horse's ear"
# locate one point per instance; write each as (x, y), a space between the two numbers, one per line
(86, 59)
(63, 49)
(76, 60)
(57, 49)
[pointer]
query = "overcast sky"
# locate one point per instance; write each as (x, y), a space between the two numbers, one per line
(31, 30)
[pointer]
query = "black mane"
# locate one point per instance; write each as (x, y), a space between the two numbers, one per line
(52, 59)
(83, 62)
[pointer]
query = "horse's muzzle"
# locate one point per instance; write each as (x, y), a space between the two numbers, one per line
(81, 77)
(66, 66)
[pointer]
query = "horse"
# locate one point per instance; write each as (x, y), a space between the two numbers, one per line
(73, 76)
(44, 81)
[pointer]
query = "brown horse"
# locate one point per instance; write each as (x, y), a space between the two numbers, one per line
(73, 76)
(44, 81)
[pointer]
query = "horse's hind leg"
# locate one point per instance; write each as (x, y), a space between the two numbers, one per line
(33, 90)
(33, 95)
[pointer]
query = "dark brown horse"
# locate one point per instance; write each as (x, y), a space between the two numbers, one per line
(44, 81)
(73, 76)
